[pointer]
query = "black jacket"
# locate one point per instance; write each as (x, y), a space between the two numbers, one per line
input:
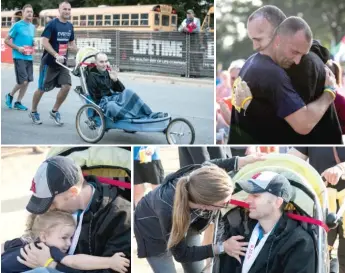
(153, 219)
(106, 227)
(100, 85)
(9, 263)
(288, 249)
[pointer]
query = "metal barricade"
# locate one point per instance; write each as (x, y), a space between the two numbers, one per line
(172, 53)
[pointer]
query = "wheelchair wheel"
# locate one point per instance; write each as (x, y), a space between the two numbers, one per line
(180, 131)
(90, 123)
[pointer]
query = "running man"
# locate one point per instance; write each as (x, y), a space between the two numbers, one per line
(21, 39)
(57, 38)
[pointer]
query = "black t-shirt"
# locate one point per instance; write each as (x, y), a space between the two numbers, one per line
(322, 158)
(274, 98)
(59, 35)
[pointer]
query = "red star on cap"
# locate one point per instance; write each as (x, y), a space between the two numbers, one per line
(256, 175)
(33, 186)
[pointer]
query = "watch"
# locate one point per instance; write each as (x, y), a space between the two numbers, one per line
(220, 248)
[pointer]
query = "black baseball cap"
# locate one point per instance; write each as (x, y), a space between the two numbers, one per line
(55, 175)
(270, 182)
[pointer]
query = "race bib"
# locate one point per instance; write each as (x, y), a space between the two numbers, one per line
(29, 50)
(63, 49)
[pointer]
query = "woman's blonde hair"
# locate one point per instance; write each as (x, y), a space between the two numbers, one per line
(36, 224)
(206, 185)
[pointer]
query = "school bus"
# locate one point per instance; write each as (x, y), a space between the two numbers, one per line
(131, 18)
(208, 23)
(8, 18)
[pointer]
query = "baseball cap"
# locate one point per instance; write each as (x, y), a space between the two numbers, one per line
(55, 175)
(190, 11)
(268, 181)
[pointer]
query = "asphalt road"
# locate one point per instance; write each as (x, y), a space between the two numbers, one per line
(188, 98)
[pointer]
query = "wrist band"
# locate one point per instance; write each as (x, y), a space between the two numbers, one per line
(330, 91)
(48, 262)
(245, 100)
(329, 87)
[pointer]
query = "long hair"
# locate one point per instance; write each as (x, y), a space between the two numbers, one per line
(206, 186)
(337, 71)
(36, 224)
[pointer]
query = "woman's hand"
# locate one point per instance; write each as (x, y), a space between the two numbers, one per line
(332, 175)
(34, 257)
(234, 248)
(119, 263)
(243, 161)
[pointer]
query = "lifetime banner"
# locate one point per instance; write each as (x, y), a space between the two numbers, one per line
(162, 52)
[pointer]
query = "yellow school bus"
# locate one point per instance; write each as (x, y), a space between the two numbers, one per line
(8, 18)
(208, 23)
(131, 18)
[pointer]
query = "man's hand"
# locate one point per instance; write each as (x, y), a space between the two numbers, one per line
(21, 49)
(113, 75)
(34, 257)
(241, 94)
(332, 175)
(243, 161)
(234, 248)
(59, 58)
(330, 78)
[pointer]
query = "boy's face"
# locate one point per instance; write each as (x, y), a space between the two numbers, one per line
(65, 201)
(59, 236)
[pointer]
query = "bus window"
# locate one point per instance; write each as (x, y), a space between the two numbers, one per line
(99, 20)
(157, 19)
(165, 20)
(75, 21)
(173, 20)
(125, 20)
(116, 19)
(17, 19)
(48, 19)
(135, 19)
(91, 20)
(211, 23)
(144, 19)
(107, 20)
(83, 20)
(36, 21)
(3, 21)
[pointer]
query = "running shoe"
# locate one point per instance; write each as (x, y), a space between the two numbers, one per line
(56, 117)
(19, 106)
(8, 99)
(35, 118)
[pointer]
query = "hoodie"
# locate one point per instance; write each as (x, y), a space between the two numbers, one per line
(9, 263)
(308, 79)
(99, 85)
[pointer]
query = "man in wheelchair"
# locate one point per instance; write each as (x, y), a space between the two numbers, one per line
(107, 91)
(277, 244)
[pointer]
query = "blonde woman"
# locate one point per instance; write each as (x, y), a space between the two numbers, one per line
(168, 221)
